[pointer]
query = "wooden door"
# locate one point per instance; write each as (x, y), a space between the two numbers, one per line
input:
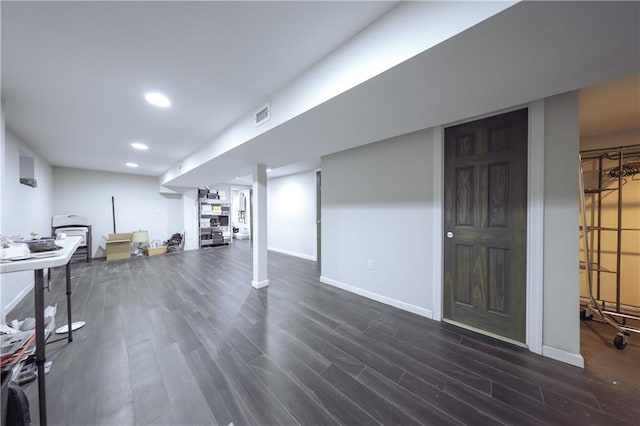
(485, 224)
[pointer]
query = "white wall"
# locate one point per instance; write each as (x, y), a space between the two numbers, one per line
(190, 217)
(291, 215)
(377, 204)
(138, 205)
(24, 210)
(561, 327)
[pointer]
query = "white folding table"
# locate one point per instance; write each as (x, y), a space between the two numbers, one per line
(38, 264)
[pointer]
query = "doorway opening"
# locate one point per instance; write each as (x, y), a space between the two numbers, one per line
(610, 240)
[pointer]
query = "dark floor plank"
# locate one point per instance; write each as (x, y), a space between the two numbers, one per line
(419, 409)
(469, 361)
(381, 409)
(281, 347)
(576, 388)
(491, 407)
(222, 401)
(530, 406)
(333, 400)
(440, 365)
(263, 404)
(150, 399)
(298, 351)
(438, 398)
(338, 357)
(188, 403)
(124, 415)
(386, 368)
(247, 350)
(114, 377)
(581, 412)
(292, 397)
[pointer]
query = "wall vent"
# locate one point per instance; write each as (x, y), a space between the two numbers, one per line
(27, 170)
(263, 114)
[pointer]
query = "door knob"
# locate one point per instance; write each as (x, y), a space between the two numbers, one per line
(449, 234)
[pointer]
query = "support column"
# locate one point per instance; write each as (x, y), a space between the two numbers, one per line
(259, 226)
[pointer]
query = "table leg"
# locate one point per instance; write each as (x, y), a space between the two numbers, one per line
(40, 347)
(68, 279)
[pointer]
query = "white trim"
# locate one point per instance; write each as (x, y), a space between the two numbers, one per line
(535, 227)
(379, 298)
(562, 355)
(18, 298)
(259, 284)
(487, 115)
(293, 253)
(437, 211)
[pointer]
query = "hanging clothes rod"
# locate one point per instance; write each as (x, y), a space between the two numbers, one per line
(595, 153)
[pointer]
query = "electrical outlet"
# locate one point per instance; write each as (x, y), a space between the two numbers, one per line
(370, 264)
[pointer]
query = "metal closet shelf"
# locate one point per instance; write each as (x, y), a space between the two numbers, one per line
(614, 168)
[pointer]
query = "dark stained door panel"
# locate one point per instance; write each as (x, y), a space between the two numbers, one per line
(485, 224)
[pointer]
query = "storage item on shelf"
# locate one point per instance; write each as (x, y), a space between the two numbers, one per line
(213, 219)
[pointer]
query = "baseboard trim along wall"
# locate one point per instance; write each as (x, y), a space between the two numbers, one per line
(259, 284)
(563, 356)
(428, 313)
(293, 253)
(18, 298)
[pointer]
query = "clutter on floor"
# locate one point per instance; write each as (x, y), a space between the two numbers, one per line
(155, 251)
(175, 243)
(18, 366)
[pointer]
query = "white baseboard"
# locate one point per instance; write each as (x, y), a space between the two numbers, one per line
(18, 298)
(562, 355)
(380, 298)
(259, 284)
(293, 253)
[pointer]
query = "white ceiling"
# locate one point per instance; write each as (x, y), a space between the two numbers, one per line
(530, 51)
(612, 106)
(74, 73)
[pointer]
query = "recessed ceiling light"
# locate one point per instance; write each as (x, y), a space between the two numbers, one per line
(268, 170)
(140, 146)
(132, 165)
(158, 99)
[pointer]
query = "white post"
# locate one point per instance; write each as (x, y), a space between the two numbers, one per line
(259, 226)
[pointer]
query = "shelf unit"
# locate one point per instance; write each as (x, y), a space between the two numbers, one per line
(214, 222)
(610, 171)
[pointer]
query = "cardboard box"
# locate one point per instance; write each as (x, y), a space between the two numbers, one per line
(155, 251)
(118, 246)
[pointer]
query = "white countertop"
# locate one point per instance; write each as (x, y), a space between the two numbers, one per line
(62, 257)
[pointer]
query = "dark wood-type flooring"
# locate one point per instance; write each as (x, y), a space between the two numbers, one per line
(183, 339)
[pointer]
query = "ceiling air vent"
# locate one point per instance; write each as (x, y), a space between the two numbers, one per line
(263, 114)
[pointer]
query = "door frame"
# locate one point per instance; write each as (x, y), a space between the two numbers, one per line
(535, 220)
(318, 216)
